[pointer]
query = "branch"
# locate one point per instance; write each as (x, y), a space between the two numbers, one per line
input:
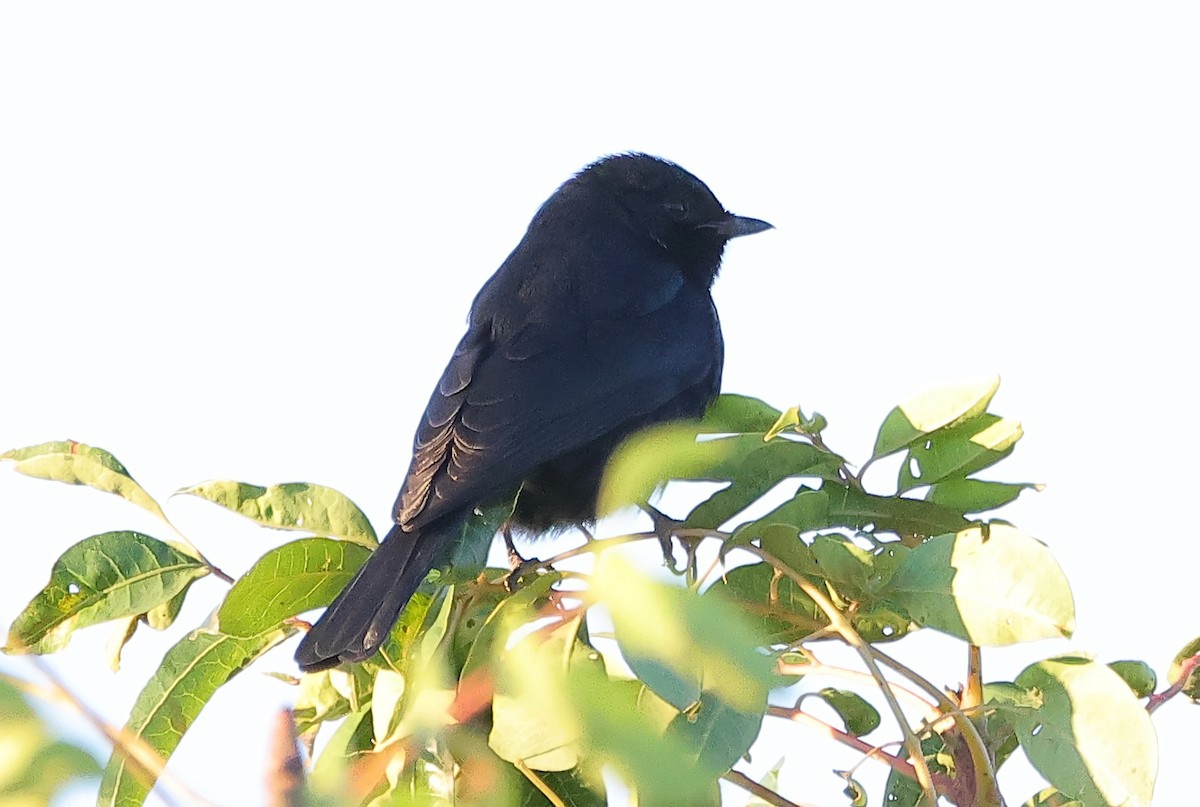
(1185, 672)
(987, 791)
(144, 758)
(851, 637)
(591, 547)
(972, 695)
(818, 668)
(539, 783)
(902, 766)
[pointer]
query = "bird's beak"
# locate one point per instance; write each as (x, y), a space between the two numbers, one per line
(733, 226)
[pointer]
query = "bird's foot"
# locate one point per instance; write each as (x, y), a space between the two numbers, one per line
(665, 528)
(518, 566)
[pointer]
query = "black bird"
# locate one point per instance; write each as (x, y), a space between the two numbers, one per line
(598, 324)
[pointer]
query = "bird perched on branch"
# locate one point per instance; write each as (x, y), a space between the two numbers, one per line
(598, 324)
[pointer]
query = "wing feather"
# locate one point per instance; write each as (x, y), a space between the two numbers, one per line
(497, 414)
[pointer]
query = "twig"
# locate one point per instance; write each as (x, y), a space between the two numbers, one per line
(285, 774)
(212, 567)
(591, 547)
(539, 783)
(902, 766)
(144, 757)
(1185, 672)
(855, 640)
(762, 791)
(987, 791)
(819, 668)
(702, 579)
(972, 695)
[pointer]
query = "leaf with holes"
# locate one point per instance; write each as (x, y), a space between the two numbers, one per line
(937, 409)
(1091, 738)
(104, 577)
(959, 451)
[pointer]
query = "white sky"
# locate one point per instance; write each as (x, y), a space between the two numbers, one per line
(240, 240)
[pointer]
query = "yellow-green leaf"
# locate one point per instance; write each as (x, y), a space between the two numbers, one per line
(990, 586)
(926, 413)
(292, 506)
(77, 464)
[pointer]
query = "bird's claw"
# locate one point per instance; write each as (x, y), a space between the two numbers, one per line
(665, 528)
(518, 566)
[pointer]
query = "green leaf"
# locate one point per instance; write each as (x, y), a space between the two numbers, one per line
(857, 715)
(289, 580)
(738, 414)
(835, 506)
(1138, 675)
(293, 506)
(106, 576)
(856, 510)
(189, 674)
(318, 700)
(351, 740)
(1051, 797)
(754, 468)
(782, 612)
(617, 734)
(976, 495)
(473, 542)
(507, 616)
(53, 766)
(654, 456)
(532, 720)
(1091, 739)
(854, 791)
(160, 617)
(401, 643)
(808, 510)
(33, 766)
(674, 638)
(959, 451)
(991, 587)
(78, 464)
(716, 734)
(912, 421)
(842, 562)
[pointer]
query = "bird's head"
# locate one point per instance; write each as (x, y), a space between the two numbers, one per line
(670, 209)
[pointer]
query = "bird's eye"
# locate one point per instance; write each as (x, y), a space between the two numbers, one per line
(676, 210)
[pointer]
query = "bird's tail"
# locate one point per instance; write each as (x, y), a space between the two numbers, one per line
(359, 620)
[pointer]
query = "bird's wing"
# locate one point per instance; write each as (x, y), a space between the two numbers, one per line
(504, 407)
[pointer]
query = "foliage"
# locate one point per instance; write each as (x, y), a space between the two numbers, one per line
(33, 765)
(482, 696)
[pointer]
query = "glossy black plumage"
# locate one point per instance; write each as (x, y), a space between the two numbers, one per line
(599, 323)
